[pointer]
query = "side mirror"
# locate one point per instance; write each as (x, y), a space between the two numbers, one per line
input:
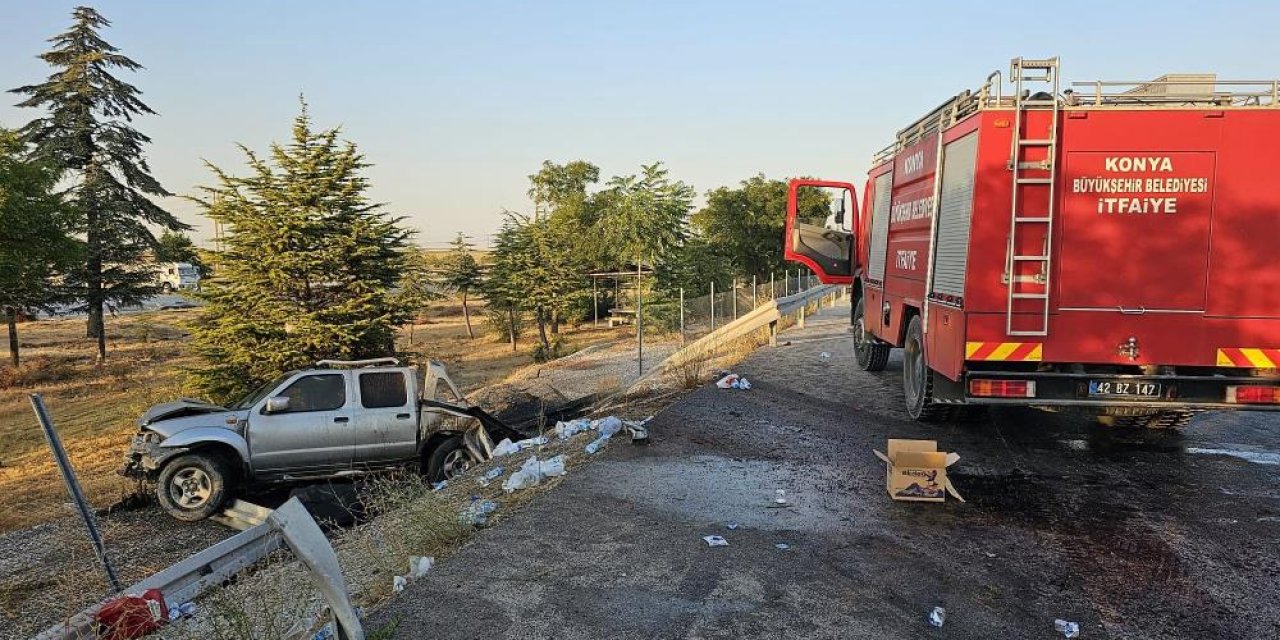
(276, 404)
(840, 211)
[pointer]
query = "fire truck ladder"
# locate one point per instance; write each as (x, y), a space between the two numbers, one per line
(1022, 71)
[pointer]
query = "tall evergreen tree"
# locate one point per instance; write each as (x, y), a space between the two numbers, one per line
(462, 275)
(308, 267)
(34, 245)
(505, 287)
(88, 135)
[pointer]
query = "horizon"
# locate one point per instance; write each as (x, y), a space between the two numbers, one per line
(455, 106)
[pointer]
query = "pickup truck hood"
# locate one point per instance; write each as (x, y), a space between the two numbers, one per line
(179, 408)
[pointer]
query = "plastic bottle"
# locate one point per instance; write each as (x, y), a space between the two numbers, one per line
(938, 616)
(1066, 628)
(596, 444)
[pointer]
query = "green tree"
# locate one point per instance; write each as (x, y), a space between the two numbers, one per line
(462, 275)
(34, 245)
(88, 136)
(308, 267)
(419, 285)
(505, 286)
(645, 217)
(746, 223)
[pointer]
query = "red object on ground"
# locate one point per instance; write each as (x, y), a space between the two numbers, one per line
(129, 617)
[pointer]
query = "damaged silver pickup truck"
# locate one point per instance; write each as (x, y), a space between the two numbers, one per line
(339, 419)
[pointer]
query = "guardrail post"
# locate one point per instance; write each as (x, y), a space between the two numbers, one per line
(755, 295)
(713, 305)
(800, 318)
(73, 488)
(681, 315)
(773, 287)
(773, 333)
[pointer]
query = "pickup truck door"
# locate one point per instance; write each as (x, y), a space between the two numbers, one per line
(313, 435)
(385, 426)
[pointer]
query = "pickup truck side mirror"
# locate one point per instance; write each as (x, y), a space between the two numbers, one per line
(276, 404)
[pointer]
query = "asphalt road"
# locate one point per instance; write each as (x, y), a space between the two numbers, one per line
(1130, 535)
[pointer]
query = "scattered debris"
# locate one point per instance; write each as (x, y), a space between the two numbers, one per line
(715, 541)
(132, 616)
(917, 471)
(420, 565)
(733, 381)
(782, 546)
(1066, 628)
(731, 526)
(528, 475)
(553, 467)
(533, 442)
(398, 583)
(990, 554)
(505, 448)
(477, 513)
(780, 496)
(184, 610)
(439, 486)
(938, 616)
(566, 430)
(491, 475)
(824, 355)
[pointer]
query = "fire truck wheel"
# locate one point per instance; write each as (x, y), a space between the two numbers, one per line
(917, 378)
(870, 354)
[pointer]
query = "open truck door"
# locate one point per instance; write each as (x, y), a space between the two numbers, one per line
(822, 238)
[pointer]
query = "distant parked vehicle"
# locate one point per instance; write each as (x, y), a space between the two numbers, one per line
(176, 276)
(338, 419)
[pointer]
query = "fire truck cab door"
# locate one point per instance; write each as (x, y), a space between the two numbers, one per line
(819, 238)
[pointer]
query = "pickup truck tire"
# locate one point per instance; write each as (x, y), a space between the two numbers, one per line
(870, 353)
(193, 486)
(448, 460)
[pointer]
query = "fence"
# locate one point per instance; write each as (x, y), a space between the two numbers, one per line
(713, 308)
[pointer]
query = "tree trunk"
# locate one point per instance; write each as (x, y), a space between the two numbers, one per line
(466, 316)
(511, 326)
(12, 318)
(542, 328)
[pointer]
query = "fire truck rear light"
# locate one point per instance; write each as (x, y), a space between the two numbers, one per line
(1002, 388)
(1254, 394)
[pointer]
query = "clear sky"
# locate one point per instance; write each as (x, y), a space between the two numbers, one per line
(456, 103)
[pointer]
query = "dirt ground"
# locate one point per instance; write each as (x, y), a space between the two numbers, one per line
(1132, 535)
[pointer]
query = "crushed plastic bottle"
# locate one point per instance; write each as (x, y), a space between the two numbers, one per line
(732, 526)
(183, 610)
(607, 426)
(780, 496)
(595, 445)
(1067, 628)
(715, 541)
(398, 583)
(505, 448)
(938, 616)
(528, 475)
(782, 546)
(326, 632)
(533, 442)
(552, 467)
(477, 513)
(490, 476)
(420, 565)
(439, 486)
(566, 430)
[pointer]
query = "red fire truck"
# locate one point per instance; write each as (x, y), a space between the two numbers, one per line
(1111, 246)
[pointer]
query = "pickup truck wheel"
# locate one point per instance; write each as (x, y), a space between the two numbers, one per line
(193, 487)
(870, 354)
(448, 460)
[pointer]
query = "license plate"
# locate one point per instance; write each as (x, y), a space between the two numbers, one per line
(1125, 389)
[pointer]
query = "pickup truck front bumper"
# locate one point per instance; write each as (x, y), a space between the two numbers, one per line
(145, 456)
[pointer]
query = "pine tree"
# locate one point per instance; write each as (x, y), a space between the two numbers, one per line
(505, 287)
(462, 275)
(88, 136)
(308, 267)
(34, 245)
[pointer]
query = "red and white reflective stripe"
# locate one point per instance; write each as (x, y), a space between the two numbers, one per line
(1253, 358)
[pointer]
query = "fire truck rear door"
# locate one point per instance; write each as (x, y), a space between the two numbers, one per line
(823, 245)
(1135, 231)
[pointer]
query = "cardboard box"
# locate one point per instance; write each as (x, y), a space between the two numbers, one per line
(916, 471)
